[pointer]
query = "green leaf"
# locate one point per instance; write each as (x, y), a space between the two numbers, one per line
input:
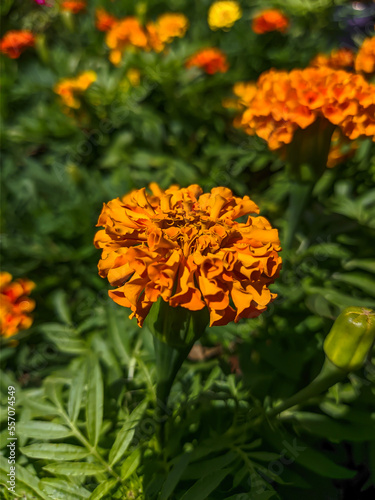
(39, 429)
(126, 434)
(130, 464)
(359, 280)
(74, 468)
(103, 489)
(59, 299)
(76, 392)
(206, 485)
(25, 481)
(61, 489)
(54, 451)
(94, 406)
(199, 469)
(174, 476)
(64, 338)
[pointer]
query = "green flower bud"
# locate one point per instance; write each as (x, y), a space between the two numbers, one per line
(351, 337)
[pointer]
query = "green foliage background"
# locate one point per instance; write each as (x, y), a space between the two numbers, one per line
(84, 374)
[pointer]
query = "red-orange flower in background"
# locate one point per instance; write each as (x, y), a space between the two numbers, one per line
(286, 101)
(15, 42)
(73, 6)
(365, 60)
(210, 60)
(270, 20)
(187, 248)
(104, 20)
(15, 305)
(338, 59)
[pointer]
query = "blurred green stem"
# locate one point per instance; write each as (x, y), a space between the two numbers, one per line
(299, 197)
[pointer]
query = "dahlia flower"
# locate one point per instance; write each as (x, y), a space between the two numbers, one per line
(15, 42)
(287, 101)
(15, 305)
(223, 14)
(365, 60)
(185, 248)
(211, 61)
(68, 88)
(270, 20)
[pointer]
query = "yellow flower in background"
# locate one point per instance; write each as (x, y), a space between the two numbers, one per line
(223, 14)
(365, 60)
(171, 26)
(68, 88)
(134, 77)
(186, 247)
(15, 305)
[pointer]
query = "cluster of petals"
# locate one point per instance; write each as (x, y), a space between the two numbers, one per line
(15, 42)
(223, 14)
(73, 6)
(15, 305)
(129, 32)
(365, 60)
(342, 58)
(342, 149)
(186, 247)
(69, 88)
(285, 101)
(211, 61)
(270, 20)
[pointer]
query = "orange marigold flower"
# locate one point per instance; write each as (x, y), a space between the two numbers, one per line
(210, 61)
(365, 60)
(337, 59)
(285, 101)
(270, 20)
(68, 88)
(73, 6)
(169, 26)
(104, 20)
(187, 248)
(15, 42)
(15, 305)
(123, 34)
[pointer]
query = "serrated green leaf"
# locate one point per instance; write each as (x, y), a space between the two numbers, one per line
(130, 464)
(39, 429)
(25, 481)
(94, 406)
(126, 434)
(60, 489)
(54, 451)
(103, 489)
(205, 486)
(174, 476)
(76, 392)
(74, 468)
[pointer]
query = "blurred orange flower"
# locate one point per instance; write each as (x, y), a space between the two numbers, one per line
(210, 60)
(169, 26)
(286, 101)
(337, 59)
(125, 33)
(15, 42)
(73, 6)
(68, 88)
(342, 148)
(270, 20)
(365, 60)
(104, 20)
(15, 305)
(187, 248)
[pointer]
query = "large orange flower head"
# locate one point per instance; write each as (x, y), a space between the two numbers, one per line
(73, 6)
(15, 305)
(170, 26)
(187, 248)
(126, 33)
(365, 60)
(224, 14)
(211, 61)
(270, 20)
(287, 101)
(15, 42)
(69, 88)
(338, 59)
